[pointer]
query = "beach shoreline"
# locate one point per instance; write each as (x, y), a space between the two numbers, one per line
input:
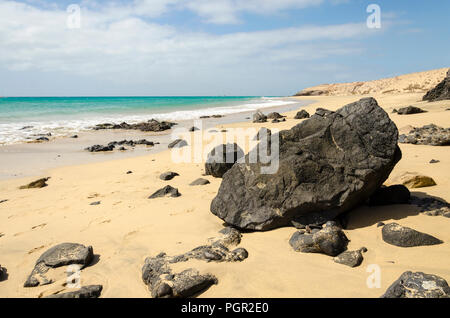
(33, 159)
(127, 227)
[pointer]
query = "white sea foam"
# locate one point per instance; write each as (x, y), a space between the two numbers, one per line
(14, 132)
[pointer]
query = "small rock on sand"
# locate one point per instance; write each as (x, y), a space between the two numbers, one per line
(92, 291)
(402, 236)
(164, 192)
(179, 143)
(415, 180)
(418, 285)
(351, 258)
(331, 241)
(167, 176)
(57, 256)
(410, 110)
(41, 183)
(199, 181)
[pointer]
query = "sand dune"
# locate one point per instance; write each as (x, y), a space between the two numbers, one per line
(409, 83)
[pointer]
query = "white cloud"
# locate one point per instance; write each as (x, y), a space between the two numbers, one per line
(115, 44)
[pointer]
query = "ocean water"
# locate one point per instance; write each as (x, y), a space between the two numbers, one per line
(23, 118)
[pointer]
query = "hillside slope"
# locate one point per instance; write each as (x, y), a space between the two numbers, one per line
(409, 83)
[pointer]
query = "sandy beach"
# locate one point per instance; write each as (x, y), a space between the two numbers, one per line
(127, 227)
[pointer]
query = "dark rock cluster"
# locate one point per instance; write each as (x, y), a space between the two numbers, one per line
(112, 145)
(427, 135)
(151, 125)
(164, 283)
(431, 206)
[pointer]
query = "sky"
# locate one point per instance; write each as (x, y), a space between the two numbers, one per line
(212, 47)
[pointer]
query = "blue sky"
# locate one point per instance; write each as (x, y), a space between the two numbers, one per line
(213, 47)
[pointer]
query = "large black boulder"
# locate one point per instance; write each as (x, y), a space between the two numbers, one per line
(440, 92)
(418, 285)
(222, 158)
(328, 165)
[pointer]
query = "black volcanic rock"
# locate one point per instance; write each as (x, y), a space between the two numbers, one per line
(151, 125)
(199, 181)
(167, 176)
(328, 165)
(100, 148)
(38, 184)
(431, 135)
(303, 114)
(396, 194)
(410, 110)
(418, 285)
(57, 256)
(402, 236)
(331, 241)
(92, 291)
(222, 158)
(259, 117)
(275, 115)
(179, 143)
(440, 92)
(165, 192)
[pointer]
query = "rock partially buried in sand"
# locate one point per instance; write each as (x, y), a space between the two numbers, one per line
(57, 256)
(431, 135)
(3, 201)
(275, 115)
(222, 158)
(414, 180)
(179, 143)
(418, 285)
(38, 184)
(431, 206)
(440, 92)
(303, 114)
(92, 291)
(328, 164)
(163, 283)
(100, 148)
(410, 110)
(2, 273)
(165, 192)
(401, 236)
(351, 258)
(167, 176)
(199, 182)
(396, 194)
(331, 241)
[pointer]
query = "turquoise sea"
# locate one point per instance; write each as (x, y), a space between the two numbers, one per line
(21, 118)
